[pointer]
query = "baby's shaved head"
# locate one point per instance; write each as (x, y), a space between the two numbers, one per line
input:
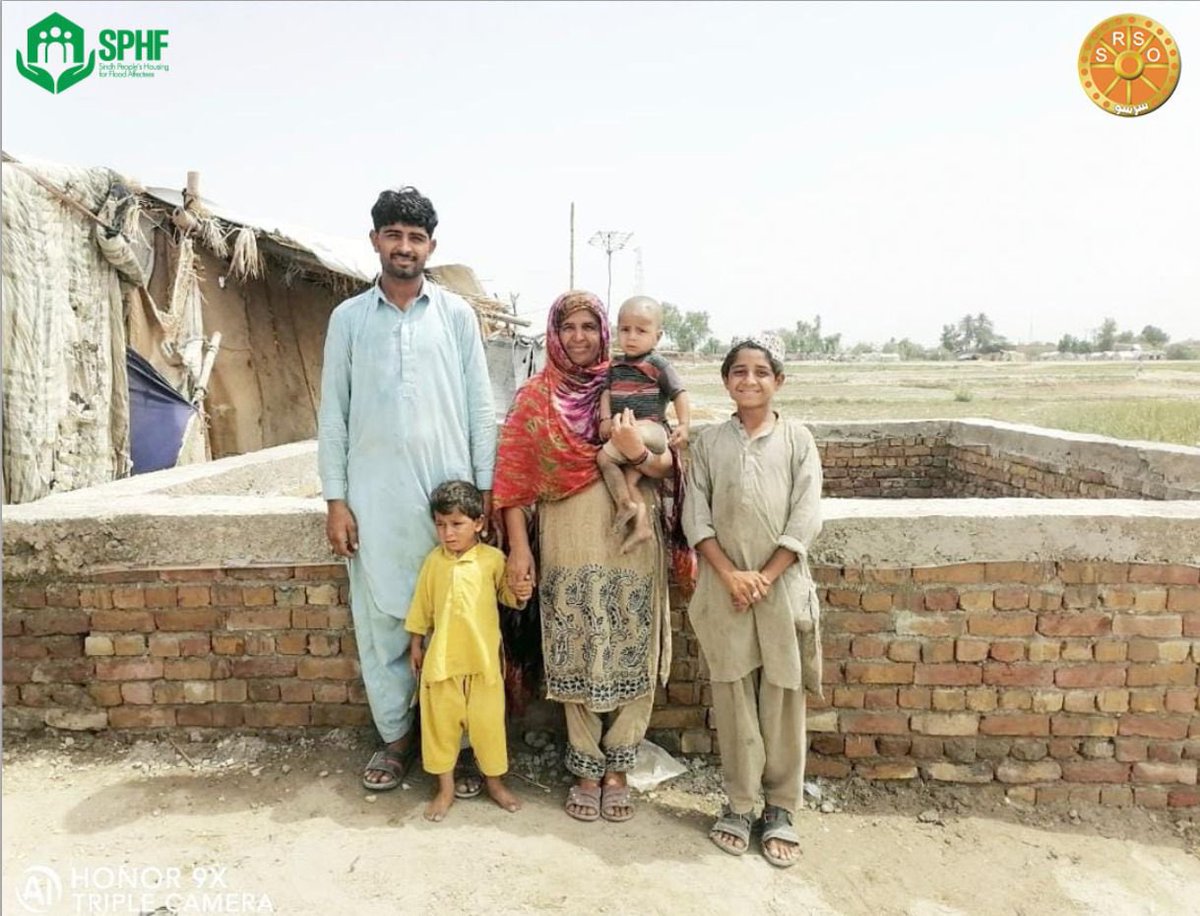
(642, 305)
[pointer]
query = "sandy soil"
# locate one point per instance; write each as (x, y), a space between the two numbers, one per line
(250, 825)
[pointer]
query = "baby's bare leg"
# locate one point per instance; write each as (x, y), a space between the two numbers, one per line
(615, 479)
(443, 799)
(642, 529)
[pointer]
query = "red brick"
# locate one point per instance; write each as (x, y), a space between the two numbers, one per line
(848, 622)
(887, 769)
(322, 644)
(849, 697)
(1191, 624)
(868, 647)
(259, 644)
(877, 601)
(1074, 624)
(133, 669)
(1183, 599)
(1083, 727)
(128, 598)
(310, 618)
(339, 668)
(331, 693)
(228, 645)
(1163, 574)
(1181, 700)
(1011, 599)
(1183, 798)
(226, 594)
(1171, 728)
(914, 697)
(1010, 651)
(13, 625)
(976, 602)
(229, 691)
(1150, 797)
(880, 698)
(1028, 573)
(875, 723)
(182, 619)
(1158, 626)
(1183, 773)
(258, 596)
(957, 573)
(1182, 675)
(62, 596)
(271, 619)
(971, 650)
(1000, 675)
(937, 651)
(1043, 600)
(260, 573)
(117, 621)
(1095, 771)
(1081, 596)
(163, 646)
(227, 716)
(1092, 573)
(826, 767)
(189, 575)
(193, 596)
(1090, 676)
(141, 717)
(840, 597)
(160, 596)
(53, 621)
(199, 644)
(263, 691)
(294, 644)
(342, 716)
(338, 571)
(947, 675)
(1015, 724)
(297, 692)
(276, 716)
(263, 667)
(860, 746)
(188, 669)
(1116, 796)
(129, 644)
(941, 599)
(95, 597)
(1002, 624)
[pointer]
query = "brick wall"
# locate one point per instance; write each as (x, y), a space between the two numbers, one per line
(262, 648)
(1062, 681)
(931, 466)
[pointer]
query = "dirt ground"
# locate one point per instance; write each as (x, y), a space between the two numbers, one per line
(246, 825)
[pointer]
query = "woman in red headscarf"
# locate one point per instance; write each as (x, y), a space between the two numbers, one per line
(605, 619)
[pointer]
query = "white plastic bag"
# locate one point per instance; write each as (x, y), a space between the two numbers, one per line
(654, 767)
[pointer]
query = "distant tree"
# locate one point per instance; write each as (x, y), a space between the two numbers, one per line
(909, 350)
(951, 338)
(1106, 337)
(1067, 344)
(1154, 337)
(973, 332)
(686, 329)
(1182, 351)
(712, 347)
(1125, 337)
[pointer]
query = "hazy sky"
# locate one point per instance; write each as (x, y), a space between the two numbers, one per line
(889, 166)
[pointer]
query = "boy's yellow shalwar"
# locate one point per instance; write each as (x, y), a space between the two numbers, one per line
(461, 683)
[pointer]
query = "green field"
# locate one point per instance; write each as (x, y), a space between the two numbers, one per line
(1158, 401)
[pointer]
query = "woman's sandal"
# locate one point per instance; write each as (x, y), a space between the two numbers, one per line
(468, 781)
(587, 798)
(730, 823)
(613, 798)
(777, 825)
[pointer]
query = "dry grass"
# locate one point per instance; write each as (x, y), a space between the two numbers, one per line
(1154, 401)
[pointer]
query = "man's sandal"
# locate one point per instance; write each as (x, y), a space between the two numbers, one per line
(732, 824)
(588, 799)
(777, 825)
(393, 763)
(612, 799)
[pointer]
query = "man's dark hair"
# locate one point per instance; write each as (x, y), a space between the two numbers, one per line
(406, 206)
(727, 363)
(456, 496)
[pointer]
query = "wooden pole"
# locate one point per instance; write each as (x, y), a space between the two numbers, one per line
(571, 283)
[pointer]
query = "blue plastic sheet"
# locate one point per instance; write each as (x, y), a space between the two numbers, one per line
(158, 416)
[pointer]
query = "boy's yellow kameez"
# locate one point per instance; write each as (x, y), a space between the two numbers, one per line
(461, 677)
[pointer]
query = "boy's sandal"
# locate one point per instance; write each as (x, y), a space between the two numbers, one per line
(777, 825)
(468, 781)
(588, 799)
(732, 824)
(612, 799)
(392, 763)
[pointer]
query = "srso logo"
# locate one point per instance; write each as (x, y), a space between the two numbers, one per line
(40, 889)
(1129, 65)
(54, 48)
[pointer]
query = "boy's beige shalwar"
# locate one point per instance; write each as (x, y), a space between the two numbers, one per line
(755, 495)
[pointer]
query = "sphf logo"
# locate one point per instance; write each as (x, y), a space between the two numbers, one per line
(58, 60)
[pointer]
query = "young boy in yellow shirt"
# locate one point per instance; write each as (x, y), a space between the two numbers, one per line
(459, 665)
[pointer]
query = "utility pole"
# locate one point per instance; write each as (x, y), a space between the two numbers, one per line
(610, 240)
(571, 282)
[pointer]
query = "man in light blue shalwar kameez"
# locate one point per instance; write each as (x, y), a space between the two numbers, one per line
(406, 405)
